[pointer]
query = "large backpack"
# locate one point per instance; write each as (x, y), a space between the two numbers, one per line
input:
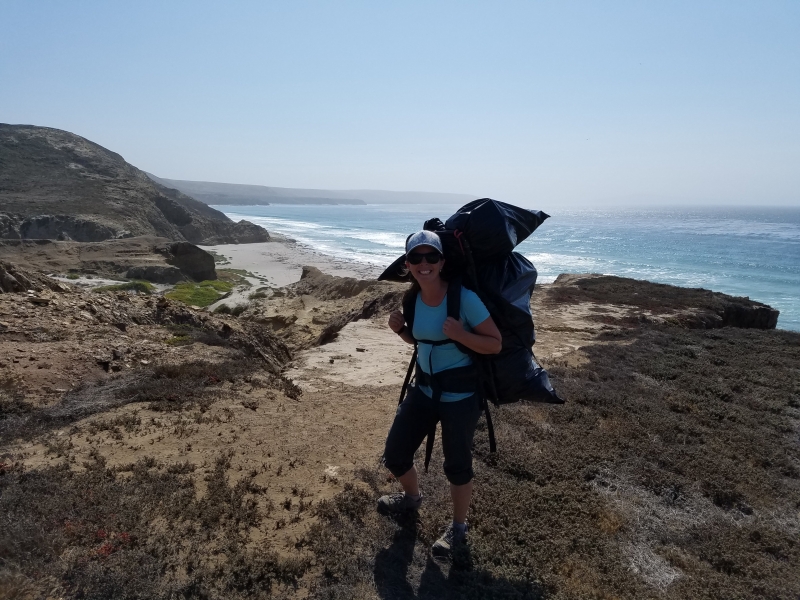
(478, 242)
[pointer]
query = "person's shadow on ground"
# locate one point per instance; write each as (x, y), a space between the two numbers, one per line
(398, 568)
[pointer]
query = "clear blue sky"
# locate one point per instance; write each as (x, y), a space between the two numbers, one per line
(540, 103)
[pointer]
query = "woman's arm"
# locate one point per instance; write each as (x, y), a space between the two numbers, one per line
(485, 338)
(398, 323)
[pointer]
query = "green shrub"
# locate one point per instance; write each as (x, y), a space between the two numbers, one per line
(200, 294)
(142, 287)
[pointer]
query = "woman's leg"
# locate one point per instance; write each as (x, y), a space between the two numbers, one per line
(410, 482)
(411, 424)
(461, 495)
(458, 429)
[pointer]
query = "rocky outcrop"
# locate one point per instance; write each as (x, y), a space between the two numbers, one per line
(696, 308)
(57, 185)
(149, 258)
(156, 274)
(56, 227)
(248, 233)
(14, 280)
(191, 260)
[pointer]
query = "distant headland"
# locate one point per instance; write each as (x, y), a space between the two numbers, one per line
(237, 194)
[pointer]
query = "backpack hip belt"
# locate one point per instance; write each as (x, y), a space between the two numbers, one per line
(460, 380)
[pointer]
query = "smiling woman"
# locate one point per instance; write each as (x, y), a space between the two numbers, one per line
(445, 388)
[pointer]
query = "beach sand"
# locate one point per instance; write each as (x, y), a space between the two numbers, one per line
(281, 261)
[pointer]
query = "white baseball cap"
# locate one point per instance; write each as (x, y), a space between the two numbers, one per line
(424, 238)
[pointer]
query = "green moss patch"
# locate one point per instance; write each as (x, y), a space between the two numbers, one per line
(200, 294)
(235, 276)
(142, 287)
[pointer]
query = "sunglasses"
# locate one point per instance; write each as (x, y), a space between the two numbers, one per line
(431, 258)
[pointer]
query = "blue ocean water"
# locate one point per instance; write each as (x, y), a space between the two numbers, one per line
(739, 251)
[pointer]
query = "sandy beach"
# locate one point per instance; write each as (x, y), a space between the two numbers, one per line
(280, 262)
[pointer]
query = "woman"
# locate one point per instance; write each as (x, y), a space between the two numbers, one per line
(419, 411)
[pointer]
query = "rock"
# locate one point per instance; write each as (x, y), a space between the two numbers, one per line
(191, 260)
(156, 274)
(249, 233)
(13, 279)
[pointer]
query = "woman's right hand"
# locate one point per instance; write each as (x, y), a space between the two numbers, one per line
(396, 321)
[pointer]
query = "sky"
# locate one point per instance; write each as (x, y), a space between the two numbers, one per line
(547, 104)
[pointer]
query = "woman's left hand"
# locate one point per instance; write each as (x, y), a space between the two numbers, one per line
(453, 329)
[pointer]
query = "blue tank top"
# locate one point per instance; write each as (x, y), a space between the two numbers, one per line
(428, 321)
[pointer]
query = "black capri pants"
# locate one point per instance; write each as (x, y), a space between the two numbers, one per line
(416, 416)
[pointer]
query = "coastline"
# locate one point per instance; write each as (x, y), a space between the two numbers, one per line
(739, 252)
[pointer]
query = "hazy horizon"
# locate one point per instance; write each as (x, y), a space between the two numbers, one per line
(600, 204)
(562, 105)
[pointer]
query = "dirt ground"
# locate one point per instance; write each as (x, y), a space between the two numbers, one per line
(239, 456)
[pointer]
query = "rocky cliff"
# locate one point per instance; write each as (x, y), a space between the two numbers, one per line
(57, 185)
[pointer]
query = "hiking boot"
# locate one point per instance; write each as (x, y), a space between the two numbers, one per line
(443, 547)
(399, 503)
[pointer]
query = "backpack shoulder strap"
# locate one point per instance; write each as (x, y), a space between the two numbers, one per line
(454, 308)
(454, 298)
(409, 308)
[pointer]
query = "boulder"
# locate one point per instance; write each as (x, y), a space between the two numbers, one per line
(191, 260)
(156, 274)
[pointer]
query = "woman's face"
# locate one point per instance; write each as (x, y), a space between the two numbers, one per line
(425, 271)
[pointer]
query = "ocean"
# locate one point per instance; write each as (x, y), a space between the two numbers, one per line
(739, 251)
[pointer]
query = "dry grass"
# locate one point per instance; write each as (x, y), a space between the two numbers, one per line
(671, 473)
(136, 531)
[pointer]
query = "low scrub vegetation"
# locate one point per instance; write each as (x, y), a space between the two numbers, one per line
(141, 287)
(235, 310)
(135, 531)
(200, 294)
(673, 472)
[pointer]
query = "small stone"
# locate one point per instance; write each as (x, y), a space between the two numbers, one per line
(144, 362)
(361, 349)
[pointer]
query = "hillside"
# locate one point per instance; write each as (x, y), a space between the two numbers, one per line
(243, 195)
(149, 450)
(57, 185)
